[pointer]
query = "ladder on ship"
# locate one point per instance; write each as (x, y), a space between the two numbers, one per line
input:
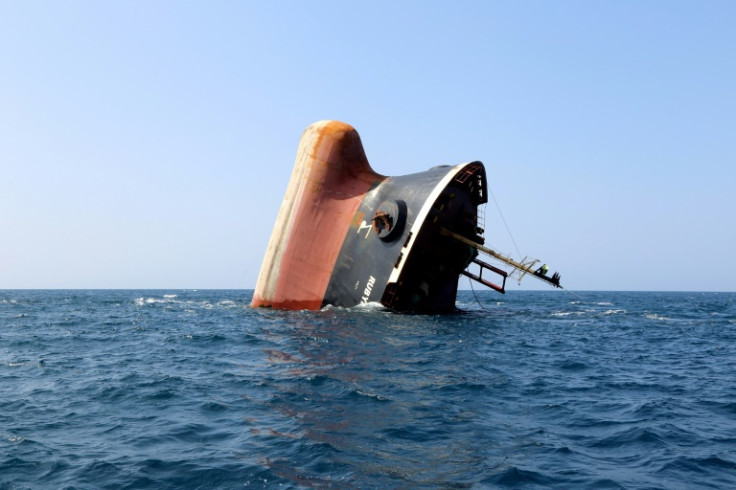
(479, 277)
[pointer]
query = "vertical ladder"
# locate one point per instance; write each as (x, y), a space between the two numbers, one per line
(479, 277)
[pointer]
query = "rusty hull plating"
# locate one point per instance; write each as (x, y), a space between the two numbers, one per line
(347, 235)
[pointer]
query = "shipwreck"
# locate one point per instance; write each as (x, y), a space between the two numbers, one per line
(346, 235)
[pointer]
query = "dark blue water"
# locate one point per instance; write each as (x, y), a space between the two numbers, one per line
(193, 389)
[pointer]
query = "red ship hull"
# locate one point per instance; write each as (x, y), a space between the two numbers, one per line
(330, 177)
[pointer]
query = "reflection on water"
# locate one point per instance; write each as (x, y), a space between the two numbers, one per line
(361, 391)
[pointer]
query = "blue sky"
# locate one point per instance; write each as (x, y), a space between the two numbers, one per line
(149, 144)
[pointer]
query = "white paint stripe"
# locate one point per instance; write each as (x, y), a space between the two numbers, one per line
(422, 215)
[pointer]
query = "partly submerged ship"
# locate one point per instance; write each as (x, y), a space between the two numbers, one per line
(346, 235)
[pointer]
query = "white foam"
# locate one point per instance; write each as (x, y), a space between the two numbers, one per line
(613, 312)
(370, 306)
(375, 396)
(167, 299)
(11, 437)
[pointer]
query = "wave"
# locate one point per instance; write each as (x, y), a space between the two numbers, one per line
(12, 438)
(175, 301)
(656, 316)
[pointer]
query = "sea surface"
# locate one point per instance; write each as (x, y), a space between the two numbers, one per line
(175, 389)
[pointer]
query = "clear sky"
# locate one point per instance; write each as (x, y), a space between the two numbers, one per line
(148, 144)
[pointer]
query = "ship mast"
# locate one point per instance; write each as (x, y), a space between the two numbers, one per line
(527, 268)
